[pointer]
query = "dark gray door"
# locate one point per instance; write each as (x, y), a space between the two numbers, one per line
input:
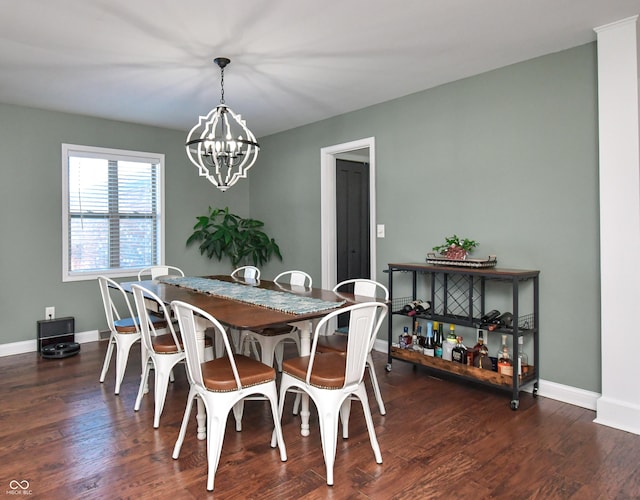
(352, 211)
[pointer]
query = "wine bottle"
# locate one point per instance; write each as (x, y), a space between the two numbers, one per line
(449, 343)
(429, 345)
(505, 320)
(489, 317)
(410, 307)
(423, 306)
(437, 339)
(523, 360)
(420, 344)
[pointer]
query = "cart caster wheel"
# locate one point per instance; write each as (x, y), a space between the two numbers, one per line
(535, 392)
(388, 367)
(514, 404)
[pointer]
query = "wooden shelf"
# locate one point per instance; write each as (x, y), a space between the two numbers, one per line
(479, 374)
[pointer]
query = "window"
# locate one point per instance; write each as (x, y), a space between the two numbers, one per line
(112, 215)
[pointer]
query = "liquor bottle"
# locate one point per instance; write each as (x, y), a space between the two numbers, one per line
(523, 360)
(414, 336)
(429, 345)
(482, 360)
(459, 352)
(449, 343)
(437, 340)
(404, 338)
(505, 320)
(505, 362)
(474, 352)
(421, 339)
(489, 317)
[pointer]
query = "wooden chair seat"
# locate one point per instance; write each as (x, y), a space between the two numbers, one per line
(128, 325)
(217, 374)
(328, 369)
(164, 343)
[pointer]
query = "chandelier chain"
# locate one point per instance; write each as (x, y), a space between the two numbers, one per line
(221, 85)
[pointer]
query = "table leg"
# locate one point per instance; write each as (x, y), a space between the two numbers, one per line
(306, 328)
(201, 415)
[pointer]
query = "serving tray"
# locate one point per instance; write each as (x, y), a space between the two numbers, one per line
(434, 259)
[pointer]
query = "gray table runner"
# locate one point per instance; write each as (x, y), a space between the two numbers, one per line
(271, 299)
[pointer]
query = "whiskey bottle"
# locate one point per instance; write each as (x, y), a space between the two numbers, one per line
(429, 345)
(505, 362)
(459, 352)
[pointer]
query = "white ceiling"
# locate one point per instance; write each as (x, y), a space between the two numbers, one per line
(293, 62)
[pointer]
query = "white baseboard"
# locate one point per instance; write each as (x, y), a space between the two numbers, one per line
(547, 389)
(32, 345)
(618, 414)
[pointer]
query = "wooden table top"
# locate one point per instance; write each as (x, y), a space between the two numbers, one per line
(242, 315)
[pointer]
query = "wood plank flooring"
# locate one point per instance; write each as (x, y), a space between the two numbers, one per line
(70, 437)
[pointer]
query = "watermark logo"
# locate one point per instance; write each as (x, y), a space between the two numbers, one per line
(19, 487)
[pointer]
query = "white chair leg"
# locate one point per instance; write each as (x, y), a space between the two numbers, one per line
(361, 392)
(279, 354)
(160, 395)
(143, 383)
(215, 436)
(238, 411)
(376, 387)
(122, 355)
(107, 358)
(345, 412)
(191, 398)
(296, 403)
(172, 377)
(272, 396)
(329, 436)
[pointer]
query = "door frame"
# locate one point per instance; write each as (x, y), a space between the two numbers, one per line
(328, 226)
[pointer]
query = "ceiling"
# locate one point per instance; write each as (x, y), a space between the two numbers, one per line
(293, 62)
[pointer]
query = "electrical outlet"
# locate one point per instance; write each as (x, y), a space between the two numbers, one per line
(49, 312)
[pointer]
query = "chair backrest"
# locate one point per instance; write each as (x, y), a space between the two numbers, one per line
(187, 322)
(296, 278)
(157, 271)
(365, 319)
(365, 288)
(246, 272)
(107, 288)
(147, 329)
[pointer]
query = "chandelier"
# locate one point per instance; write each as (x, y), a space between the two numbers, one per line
(221, 145)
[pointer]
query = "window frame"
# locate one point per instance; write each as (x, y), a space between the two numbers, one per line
(70, 150)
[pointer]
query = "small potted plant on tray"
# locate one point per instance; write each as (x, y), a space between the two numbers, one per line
(456, 248)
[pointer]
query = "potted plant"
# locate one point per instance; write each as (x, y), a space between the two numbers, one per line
(456, 248)
(223, 234)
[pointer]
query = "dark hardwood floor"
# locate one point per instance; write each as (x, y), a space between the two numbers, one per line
(70, 437)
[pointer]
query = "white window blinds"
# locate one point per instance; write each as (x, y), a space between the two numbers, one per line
(113, 214)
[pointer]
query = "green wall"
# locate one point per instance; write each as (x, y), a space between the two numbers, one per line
(31, 217)
(508, 158)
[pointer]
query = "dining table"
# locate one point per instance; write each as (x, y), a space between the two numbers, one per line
(264, 304)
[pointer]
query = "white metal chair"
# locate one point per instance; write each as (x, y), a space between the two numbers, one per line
(338, 342)
(162, 352)
(272, 340)
(332, 379)
(157, 271)
(124, 329)
(222, 384)
(246, 273)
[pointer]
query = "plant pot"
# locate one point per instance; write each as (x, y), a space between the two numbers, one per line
(456, 253)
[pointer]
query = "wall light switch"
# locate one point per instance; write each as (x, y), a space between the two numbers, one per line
(380, 230)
